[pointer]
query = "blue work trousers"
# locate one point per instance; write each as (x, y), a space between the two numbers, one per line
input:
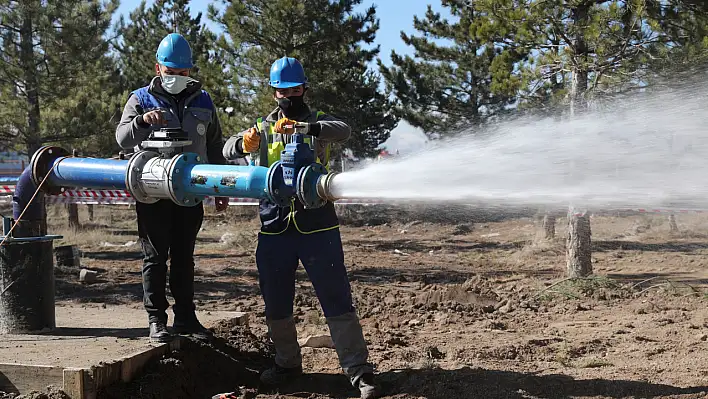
(278, 257)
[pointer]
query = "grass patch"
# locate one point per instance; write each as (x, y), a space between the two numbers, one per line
(595, 287)
(594, 363)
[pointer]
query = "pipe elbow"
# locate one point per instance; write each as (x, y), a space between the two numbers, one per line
(22, 198)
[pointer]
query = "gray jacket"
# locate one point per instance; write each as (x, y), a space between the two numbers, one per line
(331, 130)
(200, 122)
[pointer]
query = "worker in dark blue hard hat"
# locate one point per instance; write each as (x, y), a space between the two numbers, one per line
(292, 234)
(172, 100)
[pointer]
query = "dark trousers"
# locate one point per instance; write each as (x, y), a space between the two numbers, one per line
(322, 256)
(167, 230)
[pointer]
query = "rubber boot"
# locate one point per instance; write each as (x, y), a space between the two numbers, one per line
(350, 345)
(288, 359)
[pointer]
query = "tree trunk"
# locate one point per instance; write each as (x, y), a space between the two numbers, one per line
(545, 226)
(33, 139)
(578, 245)
(73, 216)
(673, 227)
(579, 84)
(549, 226)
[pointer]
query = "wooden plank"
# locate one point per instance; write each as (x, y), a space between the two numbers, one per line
(20, 378)
(176, 344)
(106, 374)
(133, 364)
(79, 383)
(74, 382)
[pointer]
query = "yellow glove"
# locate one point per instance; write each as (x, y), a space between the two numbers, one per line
(251, 140)
(280, 126)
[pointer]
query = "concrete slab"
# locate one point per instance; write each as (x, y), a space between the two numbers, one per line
(92, 347)
(88, 334)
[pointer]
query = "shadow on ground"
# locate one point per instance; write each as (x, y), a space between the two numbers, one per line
(616, 245)
(430, 275)
(647, 279)
(122, 292)
(469, 383)
(450, 245)
(99, 332)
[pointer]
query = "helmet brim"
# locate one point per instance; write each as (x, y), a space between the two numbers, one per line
(176, 65)
(286, 85)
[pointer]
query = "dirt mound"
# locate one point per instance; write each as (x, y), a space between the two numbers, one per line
(196, 371)
(230, 363)
(52, 393)
(240, 343)
(474, 297)
(475, 292)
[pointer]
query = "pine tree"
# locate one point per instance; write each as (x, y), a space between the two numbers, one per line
(451, 85)
(48, 52)
(582, 51)
(330, 40)
(597, 48)
(685, 24)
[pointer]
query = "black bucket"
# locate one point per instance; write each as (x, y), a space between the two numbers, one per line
(27, 287)
(68, 255)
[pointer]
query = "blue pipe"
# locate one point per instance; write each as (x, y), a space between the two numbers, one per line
(8, 179)
(227, 181)
(183, 179)
(24, 191)
(89, 172)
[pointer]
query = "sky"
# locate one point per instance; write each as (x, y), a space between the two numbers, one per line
(394, 16)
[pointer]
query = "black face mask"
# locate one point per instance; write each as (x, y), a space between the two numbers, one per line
(291, 106)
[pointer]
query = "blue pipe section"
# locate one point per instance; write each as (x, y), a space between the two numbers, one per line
(24, 191)
(227, 181)
(89, 172)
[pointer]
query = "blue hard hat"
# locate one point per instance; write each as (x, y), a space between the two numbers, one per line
(287, 72)
(174, 52)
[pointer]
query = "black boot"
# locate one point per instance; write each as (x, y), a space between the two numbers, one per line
(367, 387)
(190, 325)
(158, 332)
(277, 375)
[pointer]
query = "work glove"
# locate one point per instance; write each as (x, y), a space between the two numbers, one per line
(280, 126)
(251, 140)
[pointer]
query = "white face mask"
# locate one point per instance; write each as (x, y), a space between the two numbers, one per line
(175, 84)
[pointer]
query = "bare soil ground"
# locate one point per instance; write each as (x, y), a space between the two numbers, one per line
(470, 310)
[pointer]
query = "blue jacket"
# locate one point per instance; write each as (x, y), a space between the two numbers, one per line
(193, 111)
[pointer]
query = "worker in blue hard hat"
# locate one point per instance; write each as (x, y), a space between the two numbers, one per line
(173, 99)
(292, 234)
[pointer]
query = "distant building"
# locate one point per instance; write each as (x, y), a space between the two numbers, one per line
(12, 163)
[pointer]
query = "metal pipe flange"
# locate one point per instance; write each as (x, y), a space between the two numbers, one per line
(133, 179)
(324, 187)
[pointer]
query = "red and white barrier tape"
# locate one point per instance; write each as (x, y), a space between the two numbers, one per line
(122, 197)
